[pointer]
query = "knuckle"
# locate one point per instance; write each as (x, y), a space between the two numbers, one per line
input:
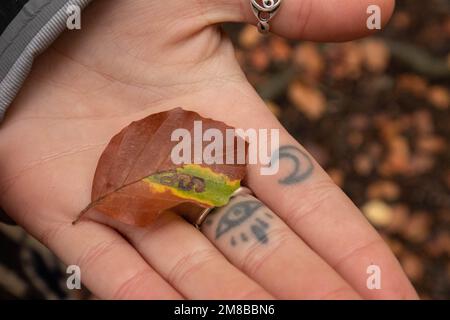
(190, 263)
(131, 286)
(258, 253)
(315, 197)
(358, 250)
(50, 235)
(343, 292)
(95, 253)
(251, 294)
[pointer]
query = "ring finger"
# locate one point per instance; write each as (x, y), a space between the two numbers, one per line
(260, 244)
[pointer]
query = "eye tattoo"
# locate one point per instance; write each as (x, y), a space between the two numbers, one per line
(303, 166)
(242, 212)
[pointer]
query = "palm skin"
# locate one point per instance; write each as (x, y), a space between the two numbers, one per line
(131, 59)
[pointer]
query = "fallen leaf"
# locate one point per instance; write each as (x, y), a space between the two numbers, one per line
(398, 160)
(136, 179)
(363, 164)
(412, 83)
(308, 58)
(400, 217)
(413, 266)
(383, 189)
(346, 60)
(249, 37)
(279, 49)
(259, 59)
(431, 144)
(309, 100)
(418, 227)
(439, 97)
(376, 55)
(378, 213)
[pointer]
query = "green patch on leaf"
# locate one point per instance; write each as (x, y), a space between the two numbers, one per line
(195, 182)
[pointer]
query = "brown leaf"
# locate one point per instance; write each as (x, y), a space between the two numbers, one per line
(431, 144)
(378, 213)
(400, 217)
(308, 100)
(363, 164)
(279, 49)
(383, 189)
(346, 60)
(259, 59)
(136, 179)
(413, 266)
(439, 97)
(249, 37)
(308, 58)
(376, 55)
(418, 228)
(412, 83)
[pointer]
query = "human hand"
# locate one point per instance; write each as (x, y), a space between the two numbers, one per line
(134, 58)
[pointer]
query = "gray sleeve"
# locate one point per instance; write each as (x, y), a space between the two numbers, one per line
(33, 29)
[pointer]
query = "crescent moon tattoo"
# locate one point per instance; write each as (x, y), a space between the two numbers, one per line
(302, 164)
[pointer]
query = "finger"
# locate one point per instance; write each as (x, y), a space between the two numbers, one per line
(320, 213)
(110, 267)
(319, 20)
(317, 210)
(188, 261)
(255, 240)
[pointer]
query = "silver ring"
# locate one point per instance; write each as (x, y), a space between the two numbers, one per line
(239, 192)
(264, 11)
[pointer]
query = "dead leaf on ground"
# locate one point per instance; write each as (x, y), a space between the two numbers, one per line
(345, 60)
(249, 37)
(378, 213)
(308, 58)
(280, 50)
(412, 83)
(418, 227)
(439, 97)
(309, 100)
(383, 189)
(413, 266)
(376, 55)
(259, 59)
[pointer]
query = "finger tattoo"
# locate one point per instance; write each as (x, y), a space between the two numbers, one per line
(302, 164)
(243, 221)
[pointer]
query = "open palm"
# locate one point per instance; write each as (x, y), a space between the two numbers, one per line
(137, 57)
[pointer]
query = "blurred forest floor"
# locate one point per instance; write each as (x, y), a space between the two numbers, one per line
(375, 114)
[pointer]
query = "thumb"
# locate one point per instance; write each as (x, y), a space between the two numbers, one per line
(316, 20)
